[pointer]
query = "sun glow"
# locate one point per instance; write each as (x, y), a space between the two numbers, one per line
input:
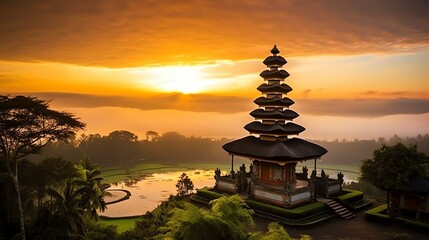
(184, 79)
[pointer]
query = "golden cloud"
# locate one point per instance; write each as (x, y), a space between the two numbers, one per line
(232, 104)
(136, 33)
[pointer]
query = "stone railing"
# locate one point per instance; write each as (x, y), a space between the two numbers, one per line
(327, 187)
(281, 197)
(300, 195)
(287, 196)
(235, 182)
(226, 183)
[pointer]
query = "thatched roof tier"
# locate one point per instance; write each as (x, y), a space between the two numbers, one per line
(289, 128)
(274, 102)
(274, 115)
(274, 88)
(294, 149)
(274, 74)
(277, 61)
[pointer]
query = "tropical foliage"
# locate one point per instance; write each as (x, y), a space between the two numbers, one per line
(226, 219)
(275, 232)
(148, 225)
(92, 189)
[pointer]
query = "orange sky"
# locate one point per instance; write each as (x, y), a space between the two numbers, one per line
(358, 69)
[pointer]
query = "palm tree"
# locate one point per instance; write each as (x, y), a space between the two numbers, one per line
(93, 190)
(68, 210)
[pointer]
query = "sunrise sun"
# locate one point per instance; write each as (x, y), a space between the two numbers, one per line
(183, 79)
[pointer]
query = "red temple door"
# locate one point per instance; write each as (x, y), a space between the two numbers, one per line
(265, 171)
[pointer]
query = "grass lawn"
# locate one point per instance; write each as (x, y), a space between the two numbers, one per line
(150, 166)
(123, 224)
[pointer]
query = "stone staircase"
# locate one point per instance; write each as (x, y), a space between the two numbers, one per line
(339, 209)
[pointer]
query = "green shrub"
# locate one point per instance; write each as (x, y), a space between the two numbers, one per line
(350, 197)
(296, 213)
(207, 194)
(375, 214)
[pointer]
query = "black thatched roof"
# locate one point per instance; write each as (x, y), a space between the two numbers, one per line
(294, 149)
(280, 129)
(419, 184)
(275, 101)
(286, 114)
(275, 87)
(275, 61)
(279, 74)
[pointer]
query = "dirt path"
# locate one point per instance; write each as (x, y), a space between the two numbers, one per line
(356, 228)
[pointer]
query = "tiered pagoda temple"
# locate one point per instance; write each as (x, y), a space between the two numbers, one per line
(274, 148)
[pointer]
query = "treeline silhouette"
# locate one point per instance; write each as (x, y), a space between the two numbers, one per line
(124, 148)
(353, 152)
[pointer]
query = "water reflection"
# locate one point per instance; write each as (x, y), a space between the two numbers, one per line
(148, 191)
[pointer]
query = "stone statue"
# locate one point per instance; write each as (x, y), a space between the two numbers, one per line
(323, 174)
(243, 168)
(305, 172)
(313, 175)
(232, 174)
(217, 174)
(340, 177)
(243, 179)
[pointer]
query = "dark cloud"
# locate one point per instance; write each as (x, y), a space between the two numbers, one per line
(133, 33)
(229, 104)
(306, 92)
(177, 101)
(362, 107)
(384, 93)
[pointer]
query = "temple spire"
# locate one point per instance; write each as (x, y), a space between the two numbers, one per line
(275, 50)
(271, 131)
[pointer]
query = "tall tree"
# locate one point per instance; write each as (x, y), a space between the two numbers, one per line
(152, 136)
(392, 167)
(26, 125)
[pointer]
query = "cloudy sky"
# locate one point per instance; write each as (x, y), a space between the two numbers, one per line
(359, 69)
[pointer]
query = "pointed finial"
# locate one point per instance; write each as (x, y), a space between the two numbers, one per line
(275, 50)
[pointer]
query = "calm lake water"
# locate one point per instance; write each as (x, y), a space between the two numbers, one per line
(149, 191)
